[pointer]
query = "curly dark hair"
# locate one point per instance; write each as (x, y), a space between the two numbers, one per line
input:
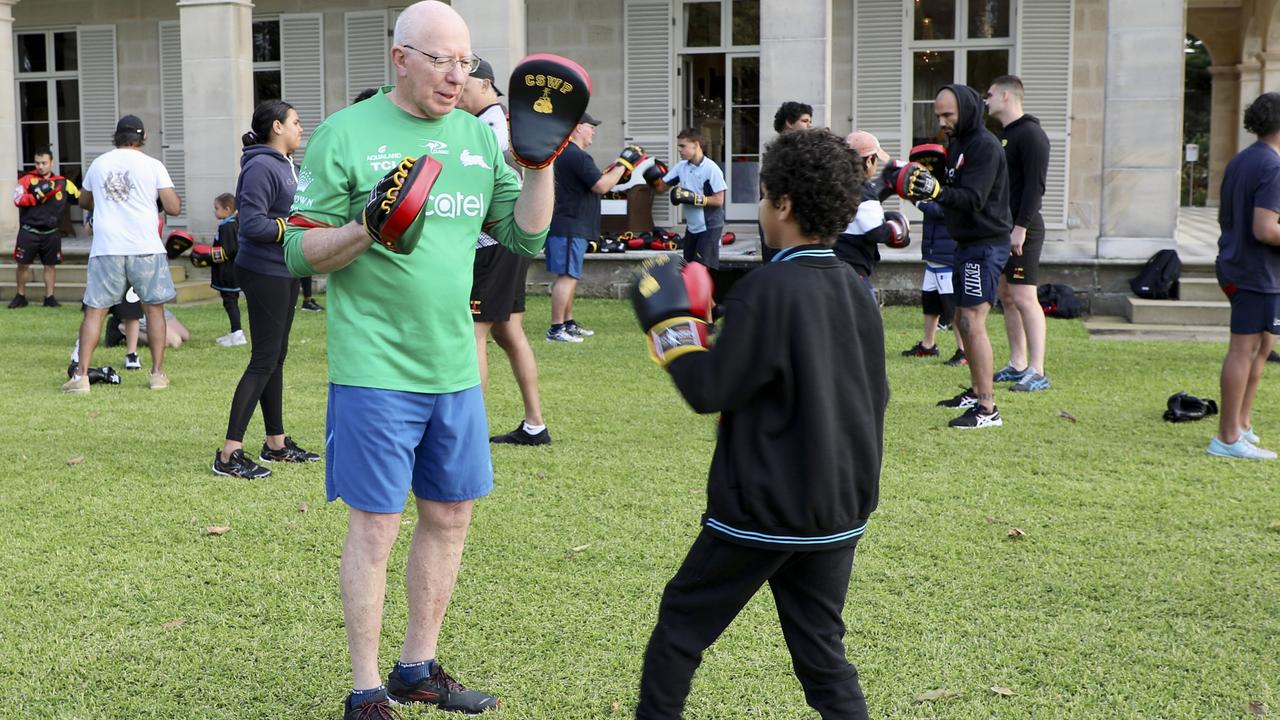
(1262, 117)
(820, 174)
(789, 113)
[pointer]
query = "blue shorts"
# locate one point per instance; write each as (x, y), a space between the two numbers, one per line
(703, 247)
(1254, 312)
(976, 273)
(565, 255)
(380, 443)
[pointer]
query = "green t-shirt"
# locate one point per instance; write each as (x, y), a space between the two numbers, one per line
(403, 322)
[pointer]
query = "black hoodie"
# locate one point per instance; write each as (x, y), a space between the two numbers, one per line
(1026, 149)
(975, 192)
(264, 197)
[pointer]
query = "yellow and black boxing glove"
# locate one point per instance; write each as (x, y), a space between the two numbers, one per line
(672, 301)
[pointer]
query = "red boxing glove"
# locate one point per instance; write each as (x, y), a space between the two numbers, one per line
(672, 301)
(207, 255)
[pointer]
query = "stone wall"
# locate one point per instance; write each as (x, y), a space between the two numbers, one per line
(1088, 96)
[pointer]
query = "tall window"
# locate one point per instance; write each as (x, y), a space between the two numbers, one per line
(266, 60)
(49, 98)
(720, 90)
(969, 42)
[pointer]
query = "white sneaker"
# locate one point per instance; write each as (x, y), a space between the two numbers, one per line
(232, 339)
(562, 335)
(1239, 449)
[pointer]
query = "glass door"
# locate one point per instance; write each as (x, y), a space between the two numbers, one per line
(742, 137)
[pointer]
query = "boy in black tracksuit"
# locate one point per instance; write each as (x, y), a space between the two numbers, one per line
(798, 375)
(974, 195)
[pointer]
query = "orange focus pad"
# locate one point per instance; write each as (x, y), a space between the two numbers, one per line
(931, 155)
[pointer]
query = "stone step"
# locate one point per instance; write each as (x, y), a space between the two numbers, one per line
(1199, 289)
(1178, 312)
(77, 272)
(1111, 327)
(189, 291)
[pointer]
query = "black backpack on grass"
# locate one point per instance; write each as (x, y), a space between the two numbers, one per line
(1059, 301)
(1158, 279)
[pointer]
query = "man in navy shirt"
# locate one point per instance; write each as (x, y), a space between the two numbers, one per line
(576, 219)
(1248, 268)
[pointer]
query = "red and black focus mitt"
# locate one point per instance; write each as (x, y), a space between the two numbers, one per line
(672, 300)
(931, 155)
(915, 182)
(548, 96)
(393, 215)
(178, 242)
(207, 255)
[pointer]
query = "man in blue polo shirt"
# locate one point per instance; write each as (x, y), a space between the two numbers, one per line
(700, 189)
(1248, 268)
(579, 185)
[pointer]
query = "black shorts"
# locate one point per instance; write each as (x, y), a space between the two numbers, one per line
(1024, 269)
(497, 284)
(977, 272)
(703, 247)
(32, 246)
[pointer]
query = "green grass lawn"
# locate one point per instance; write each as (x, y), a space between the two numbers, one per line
(1147, 584)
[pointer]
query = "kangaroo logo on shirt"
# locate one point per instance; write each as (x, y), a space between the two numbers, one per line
(435, 147)
(469, 158)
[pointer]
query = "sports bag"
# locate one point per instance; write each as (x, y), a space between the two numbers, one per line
(1059, 301)
(1158, 279)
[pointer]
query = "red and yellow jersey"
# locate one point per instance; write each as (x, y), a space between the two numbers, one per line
(43, 199)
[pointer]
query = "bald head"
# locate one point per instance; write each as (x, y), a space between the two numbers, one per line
(423, 21)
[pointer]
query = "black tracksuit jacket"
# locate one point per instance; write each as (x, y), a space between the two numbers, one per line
(975, 192)
(798, 373)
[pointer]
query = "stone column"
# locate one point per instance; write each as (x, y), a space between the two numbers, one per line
(1224, 122)
(8, 114)
(795, 60)
(498, 33)
(217, 98)
(1142, 127)
(1250, 89)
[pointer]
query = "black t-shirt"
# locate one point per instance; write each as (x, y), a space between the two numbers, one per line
(1251, 180)
(577, 211)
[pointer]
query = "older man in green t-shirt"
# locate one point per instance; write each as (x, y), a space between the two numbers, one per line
(405, 407)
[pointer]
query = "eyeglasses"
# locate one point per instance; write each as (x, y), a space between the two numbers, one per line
(445, 64)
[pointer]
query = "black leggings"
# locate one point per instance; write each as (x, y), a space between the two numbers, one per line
(271, 302)
(231, 303)
(306, 286)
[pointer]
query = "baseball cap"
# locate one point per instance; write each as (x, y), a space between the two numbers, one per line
(130, 124)
(484, 71)
(586, 118)
(864, 143)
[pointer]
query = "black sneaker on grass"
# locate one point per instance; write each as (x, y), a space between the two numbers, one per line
(376, 710)
(51, 301)
(957, 360)
(289, 453)
(238, 466)
(18, 301)
(441, 690)
(131, 361)
(312, 306)
(976, 418)
(520, 436)
(919, 350)
(965, 399)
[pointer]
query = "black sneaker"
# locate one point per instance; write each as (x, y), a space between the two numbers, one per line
(289, 453)
(72, 368)
(975, 418)
(441, 690)
(944, 327)
(238, 466)
(312, 306)
(18, 301)
(51, 301)
(131, 361)
(965, 399)
(376, 710)
(919, 350)
(1274, 357)
(957, 360)
(520, 436)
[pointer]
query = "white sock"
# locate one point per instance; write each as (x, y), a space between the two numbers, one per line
(75, 354)
(533, 429)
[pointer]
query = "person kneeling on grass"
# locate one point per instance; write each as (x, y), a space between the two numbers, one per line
(784, 507)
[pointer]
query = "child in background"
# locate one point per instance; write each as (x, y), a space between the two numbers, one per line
(223, 275)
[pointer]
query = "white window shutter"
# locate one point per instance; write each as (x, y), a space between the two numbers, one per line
(172, 137)
(99, 108)
(878, 103)
(302, 69)
(367, 49)
(647, 73)
(1044, 64)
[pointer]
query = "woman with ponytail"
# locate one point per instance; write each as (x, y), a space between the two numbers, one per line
(264, 195)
